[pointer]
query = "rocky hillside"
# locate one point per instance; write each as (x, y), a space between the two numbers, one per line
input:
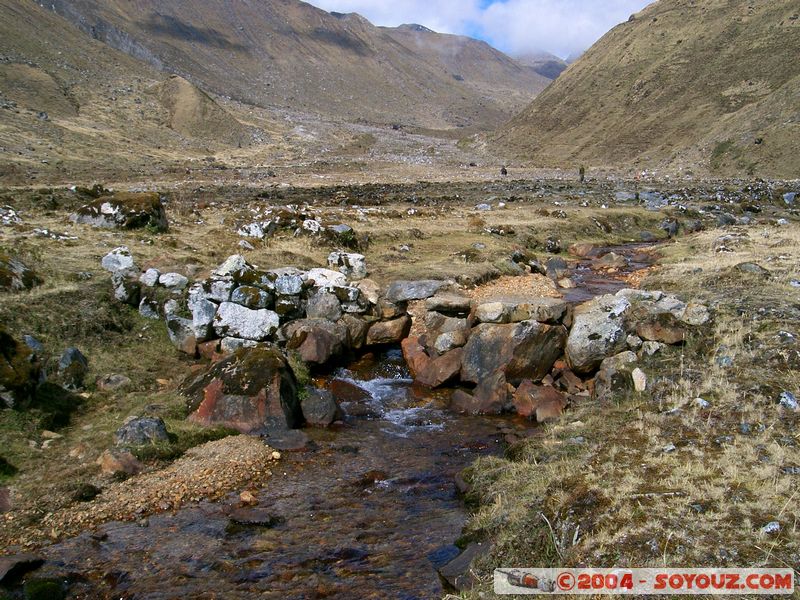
(683, 85)
(70, 104)
(288, 54)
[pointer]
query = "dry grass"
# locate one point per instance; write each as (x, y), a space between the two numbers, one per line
(620, 499)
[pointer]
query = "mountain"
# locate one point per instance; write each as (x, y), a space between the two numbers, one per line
(709, 86)
(72, 107)
(290, 55)
(543, 63)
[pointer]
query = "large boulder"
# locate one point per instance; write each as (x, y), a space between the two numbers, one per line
(525, 350)
(253, 391)
(320, 408)
(598, 330)
(15, 275)
(316, 340)
(388, 332)
(403, 291)
(239, 321)
(141, 431)
(119, 260)
(324, 305)
(442, 369)
(124, 210)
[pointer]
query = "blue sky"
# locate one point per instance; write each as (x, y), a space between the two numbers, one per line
(562, 27)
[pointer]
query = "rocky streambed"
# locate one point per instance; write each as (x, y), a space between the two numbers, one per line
(367, 507)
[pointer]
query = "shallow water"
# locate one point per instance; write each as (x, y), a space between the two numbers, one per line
(591, 283)
(369, 511)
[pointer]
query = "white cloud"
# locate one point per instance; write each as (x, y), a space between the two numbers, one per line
(562, 27)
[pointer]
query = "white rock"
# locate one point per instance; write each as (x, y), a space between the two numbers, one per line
(232, 264)
(634, 342)
(148, 308)
(119, 260)
(171, 307)
(229, 345)
(639, 380)
(771, 527)
(597, 332)
(326, 278)
(252, 230)
(150, 277)
(174, 281)
(492, 312)
(312, 226)
(651, 348)
(234, 320)
(203, 312)
(702, 404)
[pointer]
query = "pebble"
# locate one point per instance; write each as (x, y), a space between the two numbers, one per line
(703, 404)
(771, 527)
(787, 400)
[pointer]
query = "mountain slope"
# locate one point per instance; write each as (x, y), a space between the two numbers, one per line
(71, 106)
(687, 85)
(288, 54)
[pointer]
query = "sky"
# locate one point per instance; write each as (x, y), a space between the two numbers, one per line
(561, 27)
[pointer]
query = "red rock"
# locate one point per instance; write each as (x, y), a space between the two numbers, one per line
(346, 391)
(492, 394)
(571, 382)
(581, 250)
(523, 399)
(210, 351)
(464, 403)
(542, 401)
(389, 332)
(415, 355)
(441, 370)
(664, 328)
(252, 390)
(118, 461)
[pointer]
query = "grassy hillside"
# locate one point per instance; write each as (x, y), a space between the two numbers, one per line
(685, 85)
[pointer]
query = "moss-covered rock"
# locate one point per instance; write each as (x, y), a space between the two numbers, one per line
(124, 210)
(253, 390)
(19, 370)
(16, 275)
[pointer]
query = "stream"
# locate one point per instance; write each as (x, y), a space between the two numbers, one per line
(368, 509)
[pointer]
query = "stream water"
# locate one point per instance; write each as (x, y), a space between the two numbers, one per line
(368, 510)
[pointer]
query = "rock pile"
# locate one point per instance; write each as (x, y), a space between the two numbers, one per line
(535, 356)
(298, 221)
(316, 316)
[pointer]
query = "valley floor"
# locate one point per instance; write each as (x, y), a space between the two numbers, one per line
(651, 479)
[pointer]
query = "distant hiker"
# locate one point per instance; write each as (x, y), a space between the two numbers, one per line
(582, 173)
(503, 171)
